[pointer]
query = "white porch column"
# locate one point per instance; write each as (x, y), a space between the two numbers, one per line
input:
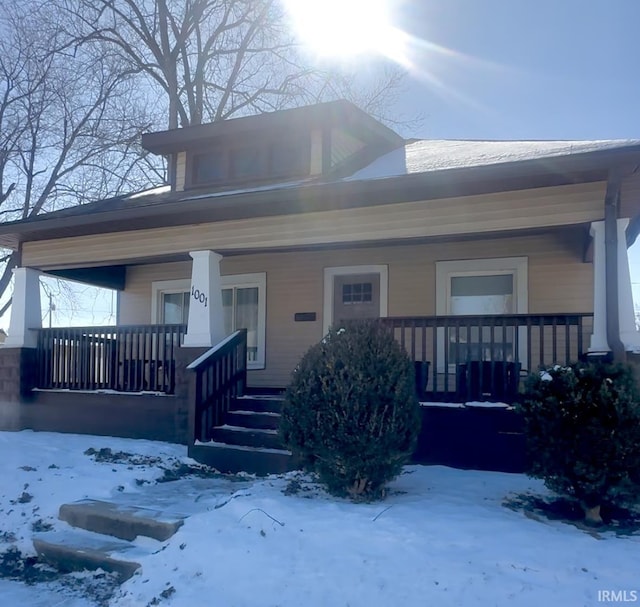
(599, 341)
(629, 335)
(205, 326)
(25, 309)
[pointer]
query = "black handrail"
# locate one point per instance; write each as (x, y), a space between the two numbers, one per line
(220, 376)
(132, 358)
(470, 357)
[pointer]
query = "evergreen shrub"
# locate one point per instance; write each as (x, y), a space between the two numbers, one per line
(582, 424)
(350, 412)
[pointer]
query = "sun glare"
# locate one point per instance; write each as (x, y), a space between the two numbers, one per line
(345, 28)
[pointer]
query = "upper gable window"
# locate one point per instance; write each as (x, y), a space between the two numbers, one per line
(265, 159)
(209, 167)
(289, 157)
(247, 163)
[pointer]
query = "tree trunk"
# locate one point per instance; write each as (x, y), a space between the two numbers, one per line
(592, 515)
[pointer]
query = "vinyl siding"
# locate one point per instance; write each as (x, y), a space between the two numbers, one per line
(316, 152)
(630, 196)
(558, 282)
(181, 171)
(543, 207)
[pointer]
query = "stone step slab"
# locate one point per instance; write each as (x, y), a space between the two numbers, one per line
(73, 550)
(118, 520)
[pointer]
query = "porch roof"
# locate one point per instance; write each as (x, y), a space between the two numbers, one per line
(420, 170)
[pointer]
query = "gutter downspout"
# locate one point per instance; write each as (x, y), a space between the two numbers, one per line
(611, 206)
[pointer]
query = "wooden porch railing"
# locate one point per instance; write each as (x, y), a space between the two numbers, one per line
(220, 376)
(125, 358)
(460, 358)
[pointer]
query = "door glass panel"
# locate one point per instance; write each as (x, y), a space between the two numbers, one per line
(481, 295)
(358, 292)
(356, 296)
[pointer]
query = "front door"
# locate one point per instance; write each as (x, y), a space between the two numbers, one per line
(356, 296)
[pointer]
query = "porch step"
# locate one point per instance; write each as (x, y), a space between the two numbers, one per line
(121, 521)
(258, 403)
(251, 419)
(248, 437)
(72, 550)
(237, 458)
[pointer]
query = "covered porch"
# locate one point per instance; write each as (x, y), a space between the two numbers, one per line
(457, 358)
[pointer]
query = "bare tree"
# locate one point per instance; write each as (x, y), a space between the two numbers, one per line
(81, 79)
(214, 59)
(67, 130)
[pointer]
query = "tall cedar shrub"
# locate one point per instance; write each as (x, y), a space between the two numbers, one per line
(350, 412)
(582, 424)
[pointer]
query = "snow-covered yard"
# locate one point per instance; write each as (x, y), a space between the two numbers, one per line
(442, 537)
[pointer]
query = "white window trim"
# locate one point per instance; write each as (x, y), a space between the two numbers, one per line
(258, 279)
(162, 287)
(331, 273)
(516, 266)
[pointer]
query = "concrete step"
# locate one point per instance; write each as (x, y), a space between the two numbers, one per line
(251, 419)
(119, 520)
(73, 550)
(258, 403)
(247, 437)
(235, 458)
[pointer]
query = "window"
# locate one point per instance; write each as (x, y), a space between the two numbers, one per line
(481, 287)
(359, 292)
(175, 307)
(243, 161)
(243, 305)
(290, 157)
(247, 163)
(210, 167)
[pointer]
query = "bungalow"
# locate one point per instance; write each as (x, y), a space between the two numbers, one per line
(486, 258)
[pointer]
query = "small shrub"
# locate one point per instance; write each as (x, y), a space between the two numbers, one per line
(582, 424)
(350, 412)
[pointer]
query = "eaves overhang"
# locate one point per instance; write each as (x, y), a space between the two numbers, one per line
(332, 113)
(186, 208)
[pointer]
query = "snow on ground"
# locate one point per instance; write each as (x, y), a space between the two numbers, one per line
(442, 537)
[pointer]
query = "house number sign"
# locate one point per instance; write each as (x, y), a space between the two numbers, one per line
(198, 295)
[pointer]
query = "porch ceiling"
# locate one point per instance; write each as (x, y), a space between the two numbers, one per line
(108, 277)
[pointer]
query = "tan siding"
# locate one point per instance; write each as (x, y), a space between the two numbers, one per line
(135, 300)
(630, 196)
(316, 152)
(295, 284)
(544, 207)
(181, 170)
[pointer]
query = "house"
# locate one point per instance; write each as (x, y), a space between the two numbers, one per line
(486, 258)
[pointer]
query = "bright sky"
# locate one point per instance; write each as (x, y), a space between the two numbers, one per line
(517, 69)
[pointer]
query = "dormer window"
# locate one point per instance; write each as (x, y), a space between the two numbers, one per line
(264, 160)
(209, 167)
(247, 163)
(289, 157)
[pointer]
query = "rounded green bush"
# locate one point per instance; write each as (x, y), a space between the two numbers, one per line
(582, 425)
(350, 412)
